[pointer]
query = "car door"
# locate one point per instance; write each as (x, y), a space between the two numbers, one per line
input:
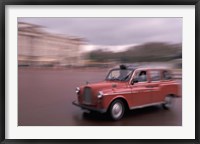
(154, 85)
(140, 90)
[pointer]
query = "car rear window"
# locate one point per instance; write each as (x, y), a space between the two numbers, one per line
(166, 75)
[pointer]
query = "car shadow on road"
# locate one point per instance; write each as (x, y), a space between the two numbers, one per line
(96, 116)
(128, 114)
(143, 111)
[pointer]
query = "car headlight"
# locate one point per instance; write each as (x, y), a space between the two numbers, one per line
(77, 90)
(100, 94)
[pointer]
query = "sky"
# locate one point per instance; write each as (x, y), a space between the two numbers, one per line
(114, 31)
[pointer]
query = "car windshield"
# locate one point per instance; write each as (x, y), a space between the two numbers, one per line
(119, 75)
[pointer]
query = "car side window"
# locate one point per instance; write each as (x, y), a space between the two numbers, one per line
(167, 75)
(155, 75)
(142, 77)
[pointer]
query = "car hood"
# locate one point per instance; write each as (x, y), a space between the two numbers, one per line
(106, 85)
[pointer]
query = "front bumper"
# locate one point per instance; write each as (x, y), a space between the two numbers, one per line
(88, 107)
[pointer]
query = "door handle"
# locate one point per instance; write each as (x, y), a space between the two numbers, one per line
(150, 86)
(135, 92)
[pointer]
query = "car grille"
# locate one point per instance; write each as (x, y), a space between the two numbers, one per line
(87, 95)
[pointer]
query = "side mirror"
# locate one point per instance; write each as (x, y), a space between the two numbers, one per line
(135, 80)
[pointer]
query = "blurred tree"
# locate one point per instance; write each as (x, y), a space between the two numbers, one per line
(154, 51)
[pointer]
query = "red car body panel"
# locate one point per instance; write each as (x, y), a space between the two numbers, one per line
(134, 95)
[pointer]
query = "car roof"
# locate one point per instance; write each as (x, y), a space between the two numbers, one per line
(140, 67)
(152, 68)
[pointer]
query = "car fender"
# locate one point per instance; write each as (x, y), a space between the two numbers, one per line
(118, 97)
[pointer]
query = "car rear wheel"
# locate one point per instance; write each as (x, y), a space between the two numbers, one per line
(117, 110)
(168, 102)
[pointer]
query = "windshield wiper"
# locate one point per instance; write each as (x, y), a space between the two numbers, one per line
(114, 79)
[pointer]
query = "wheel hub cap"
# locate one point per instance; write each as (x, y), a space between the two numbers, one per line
(117, 110)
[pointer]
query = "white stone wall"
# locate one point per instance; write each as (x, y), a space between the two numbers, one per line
(37, 47)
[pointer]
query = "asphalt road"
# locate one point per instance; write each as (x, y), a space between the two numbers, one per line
(45, 99)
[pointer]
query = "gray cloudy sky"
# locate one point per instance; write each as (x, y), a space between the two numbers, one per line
(115, 31)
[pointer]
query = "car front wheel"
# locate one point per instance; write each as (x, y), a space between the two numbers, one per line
(117, 110)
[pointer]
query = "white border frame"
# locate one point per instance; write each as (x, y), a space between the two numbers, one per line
(186, 131)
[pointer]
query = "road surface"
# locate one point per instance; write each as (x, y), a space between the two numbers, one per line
(45, 99)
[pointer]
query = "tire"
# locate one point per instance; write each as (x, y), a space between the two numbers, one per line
(167, 102)
(116, 110)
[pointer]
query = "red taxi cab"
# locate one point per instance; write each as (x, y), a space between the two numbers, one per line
(127, 88)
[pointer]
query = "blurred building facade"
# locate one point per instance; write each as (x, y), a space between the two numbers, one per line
(39, 48)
